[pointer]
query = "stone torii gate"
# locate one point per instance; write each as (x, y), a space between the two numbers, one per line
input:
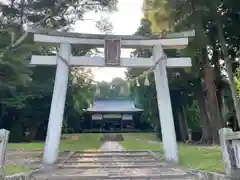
(112, 45)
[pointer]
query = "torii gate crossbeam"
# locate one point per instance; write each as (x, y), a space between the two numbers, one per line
(61, 79)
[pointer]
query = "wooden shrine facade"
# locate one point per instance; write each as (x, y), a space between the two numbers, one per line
(111, 115)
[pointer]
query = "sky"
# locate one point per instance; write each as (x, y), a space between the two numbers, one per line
(125, 22)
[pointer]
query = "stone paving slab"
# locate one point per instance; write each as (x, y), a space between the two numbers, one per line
(111, 161)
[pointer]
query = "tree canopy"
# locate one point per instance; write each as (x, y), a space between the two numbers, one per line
(204, 97)
(209, 90)
(26, 92)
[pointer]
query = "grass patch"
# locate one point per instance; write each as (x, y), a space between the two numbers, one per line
(71, 142)
(201, 158)
(9, 170)
(84, 142)
(138, 141)
(140, 145)
(193, 157)
(140, 136)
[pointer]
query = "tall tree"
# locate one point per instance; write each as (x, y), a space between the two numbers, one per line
(26, 92)
(216, 41)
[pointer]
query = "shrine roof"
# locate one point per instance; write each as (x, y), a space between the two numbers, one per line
(113, 105)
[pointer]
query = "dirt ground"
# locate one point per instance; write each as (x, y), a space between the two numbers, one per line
(31, 158)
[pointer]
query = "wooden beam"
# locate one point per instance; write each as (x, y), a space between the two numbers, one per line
(136, 62)
(98, 61)
(148, 62)
(179, 62)
(87, 61)
(43, 60)
(189, 33)
(171, 43)
(51, 32)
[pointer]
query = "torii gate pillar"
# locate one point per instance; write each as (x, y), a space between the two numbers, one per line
(57, 107)
(165, 107)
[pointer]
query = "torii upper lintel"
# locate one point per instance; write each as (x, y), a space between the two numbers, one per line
(170, 41)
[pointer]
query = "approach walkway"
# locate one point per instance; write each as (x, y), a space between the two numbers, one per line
(111, 161)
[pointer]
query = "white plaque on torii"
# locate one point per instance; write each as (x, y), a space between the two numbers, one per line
(112, 51)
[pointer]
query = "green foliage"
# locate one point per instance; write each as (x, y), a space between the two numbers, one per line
(216, 26)
(116, 89)
(237, 81)
(26, 92)
(144, 96)
(17, 133)
(158, 12)
(193, 116)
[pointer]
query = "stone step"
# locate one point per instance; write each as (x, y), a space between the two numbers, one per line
(93, 166)
(120, 151)
(92, 177)
(110, 155)
(113, 162)
(110, 160)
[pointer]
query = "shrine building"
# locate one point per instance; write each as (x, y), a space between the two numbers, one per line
(111, 115)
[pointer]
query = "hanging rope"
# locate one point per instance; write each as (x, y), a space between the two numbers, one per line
(129, 82)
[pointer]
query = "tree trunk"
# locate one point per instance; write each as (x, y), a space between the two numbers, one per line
(180, 123)
(3, 113)
(205, 123)
(228, 68)
(183, 124)
(212, 102)
(224, 107)
(218, 77)
(31, 134)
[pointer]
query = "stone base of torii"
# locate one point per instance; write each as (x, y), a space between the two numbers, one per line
(64, 59)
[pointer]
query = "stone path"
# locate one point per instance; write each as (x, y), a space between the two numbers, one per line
(112, 162)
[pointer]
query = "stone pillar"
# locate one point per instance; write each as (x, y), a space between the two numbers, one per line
(165, 107)
(4, 134)
(189, 134)
(121, 123)
(225, 147)
(57, 107)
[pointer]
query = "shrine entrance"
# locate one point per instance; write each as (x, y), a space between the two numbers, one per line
(111, 115)
(112, 45)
